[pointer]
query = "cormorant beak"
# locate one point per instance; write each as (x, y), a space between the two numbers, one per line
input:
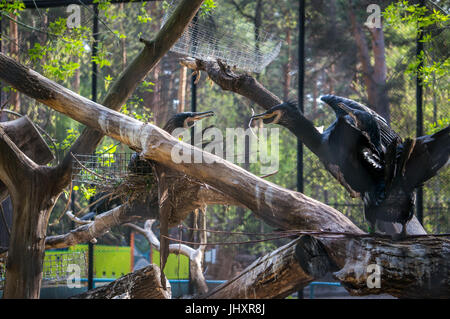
(190, 121)
(268, 115)
(202, 115)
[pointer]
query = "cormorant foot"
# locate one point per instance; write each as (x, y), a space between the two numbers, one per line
(399, 236)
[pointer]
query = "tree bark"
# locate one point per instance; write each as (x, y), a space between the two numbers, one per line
(275, 275)
(141, 284)
(27, 138)
(25, 135)
(418, 267)
(25, 181)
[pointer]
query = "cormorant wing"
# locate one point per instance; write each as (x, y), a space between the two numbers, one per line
(430, 153)
(387, 134)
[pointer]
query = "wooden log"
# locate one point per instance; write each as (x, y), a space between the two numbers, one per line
(418, 267)
(140, 284)
(275, 275)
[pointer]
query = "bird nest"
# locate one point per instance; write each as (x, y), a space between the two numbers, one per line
(118, 174)
(211, 37)
(124, 176)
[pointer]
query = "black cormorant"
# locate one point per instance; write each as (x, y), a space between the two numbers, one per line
(186, 120)
(341, 147)
(366, 156)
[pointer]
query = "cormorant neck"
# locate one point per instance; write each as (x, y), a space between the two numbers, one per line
(305, 130)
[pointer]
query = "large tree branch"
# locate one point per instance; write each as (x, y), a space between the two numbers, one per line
(26, 137)
(243, 84)
(15, 167)
(85, 233)
(275, 275)
(416, 268)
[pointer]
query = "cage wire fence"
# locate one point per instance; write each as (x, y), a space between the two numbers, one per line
(211, 37)
(106, 169)
(58, 267)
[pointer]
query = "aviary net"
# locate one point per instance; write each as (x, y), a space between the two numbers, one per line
(240, 46)
(107, 169)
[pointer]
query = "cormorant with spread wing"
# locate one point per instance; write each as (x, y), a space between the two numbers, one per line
(366, 156)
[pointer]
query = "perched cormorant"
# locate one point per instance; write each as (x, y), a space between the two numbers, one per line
(342, 147)
(366, 156)
(186, 120)
(138, 165)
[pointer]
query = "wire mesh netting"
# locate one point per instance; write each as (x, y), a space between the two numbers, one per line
(210, 38)
(2, 272)
(59, 266)
(107, 169)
